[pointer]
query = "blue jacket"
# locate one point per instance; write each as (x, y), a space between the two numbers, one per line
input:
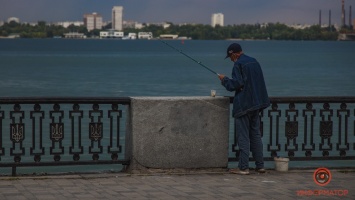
(249, 86)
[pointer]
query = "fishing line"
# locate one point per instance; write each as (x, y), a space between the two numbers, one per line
(198, 62)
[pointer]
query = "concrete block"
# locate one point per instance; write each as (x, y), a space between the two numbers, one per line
(178, 132)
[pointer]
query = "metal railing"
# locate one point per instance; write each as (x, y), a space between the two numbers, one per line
(85, 131)
(62, 131)
(307, 128)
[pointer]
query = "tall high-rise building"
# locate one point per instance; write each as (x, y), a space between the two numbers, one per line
(330, 19)
(93, 21)
(117, 13)
(342, 14)
(350, 16)
(217, 19)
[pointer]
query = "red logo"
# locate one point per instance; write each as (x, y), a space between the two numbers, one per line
(322, 176)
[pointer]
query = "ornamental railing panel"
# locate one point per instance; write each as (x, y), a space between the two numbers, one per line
(306, 128)
(62, 131)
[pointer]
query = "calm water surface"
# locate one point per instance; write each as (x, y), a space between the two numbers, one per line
(60, 67)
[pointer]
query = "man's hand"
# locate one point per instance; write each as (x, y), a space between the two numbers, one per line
(221, 76)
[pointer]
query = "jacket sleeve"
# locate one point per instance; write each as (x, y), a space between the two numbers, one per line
(236, 83)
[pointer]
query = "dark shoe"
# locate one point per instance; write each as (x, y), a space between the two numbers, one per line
(260, 170)
(239, 171)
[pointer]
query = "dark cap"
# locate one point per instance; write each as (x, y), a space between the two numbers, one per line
(233, 48)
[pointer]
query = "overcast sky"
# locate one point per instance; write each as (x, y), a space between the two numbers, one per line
(179, 11)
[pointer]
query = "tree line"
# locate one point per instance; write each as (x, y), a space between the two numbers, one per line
(270, 31)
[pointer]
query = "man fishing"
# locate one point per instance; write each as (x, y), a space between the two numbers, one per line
(250, 97)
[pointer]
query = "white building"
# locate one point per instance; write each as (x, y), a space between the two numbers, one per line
(15, 19)
(217, 19)
(145, 35)
(74, 35)
(162, 24)
(132, 24)
(117, 15)
(93, 21)
(168, 36)
(111, 34)
(299, 26)
(139, 26)
(129, 24)
(130, 36)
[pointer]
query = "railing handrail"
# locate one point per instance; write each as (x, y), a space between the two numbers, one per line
(127, 100)
(49, 100)
(313, 99)
(307, 99)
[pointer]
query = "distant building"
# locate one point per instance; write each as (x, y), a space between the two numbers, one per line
(300, 26)
(130, 36)
(168, 36)
(93, 21)
(132, 24)
(139, 26)
(111, 34)
(145, 35)
(1, 23)
(162, 24)
(129, 24)
(342, 14)
(14, 35)
(13, 19)
(217, 19)
(67, 24)
(74, 35)
(117, 18)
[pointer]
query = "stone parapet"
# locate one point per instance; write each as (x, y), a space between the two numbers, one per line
(178, 133)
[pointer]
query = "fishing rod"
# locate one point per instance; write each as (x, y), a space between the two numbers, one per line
(198, 62)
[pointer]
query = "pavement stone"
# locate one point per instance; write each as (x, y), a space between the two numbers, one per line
(294, 184)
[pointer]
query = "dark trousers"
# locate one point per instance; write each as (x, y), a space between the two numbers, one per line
(249, 139)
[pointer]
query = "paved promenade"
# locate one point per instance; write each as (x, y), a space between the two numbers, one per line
(272, 185)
